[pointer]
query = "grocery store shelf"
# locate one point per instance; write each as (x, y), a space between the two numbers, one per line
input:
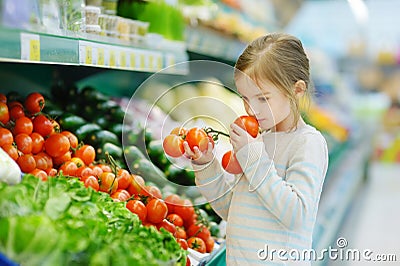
(211, 43)
(23, 46)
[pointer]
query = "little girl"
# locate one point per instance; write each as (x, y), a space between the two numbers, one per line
(271, 208)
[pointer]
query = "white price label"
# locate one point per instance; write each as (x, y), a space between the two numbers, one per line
(30, 47)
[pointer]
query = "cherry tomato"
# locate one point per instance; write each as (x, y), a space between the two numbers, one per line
(34, 102)
(170, 227)
(57, 161)
(87, 153)
(39, 173)
(209, 244)
(37, 142)
(173, 146)
(3, 98)
(120, 195)
(124, 179)
(173, 200)
(41, 162)
(230, 163)
(137, 207)
(84, 172)
(6, 137)
(49, 160)
(57, 145)
(23, 125)
(4, 113)
(175, 219)
(197, 137)
(180, 232)
(136, 185)
(14, 103)
(197, 244)
(182, 242)
(51, 172)
(105, 167)
(185, 210)
(24, 143)
(188, 263)
(56, 127)
(152, 191)
(16, 112)
(199, 230)
(157, 210)
(108, 182)
(68, 168)
(180, 131)
(78, 161)
(42, 125)
(97, 171)
(92, 182)
(11, 151)
(248, 123)
(73, 140)
(27, 163)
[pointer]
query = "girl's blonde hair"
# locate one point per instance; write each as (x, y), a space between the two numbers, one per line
(279, 58)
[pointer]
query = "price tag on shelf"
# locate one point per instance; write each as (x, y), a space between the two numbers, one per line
(151, 62)
(159, 63)
(30, 47)
(133, 60)
(100, 56)
(122, 57)
(113, 58)
(142, 61)
(88, 55)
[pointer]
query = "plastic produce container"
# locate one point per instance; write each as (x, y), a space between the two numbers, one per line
(92, 15)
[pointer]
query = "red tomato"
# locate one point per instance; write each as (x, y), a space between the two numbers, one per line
(11, 151)
(42, 125)
(183, 243)
(57, 161)
(197, 244)
(49, 160)
(68, 168)
(57, 145)
(56, 127)
(173, 200)
(105, 167)
(152, 191)
(124, 179)
(108, 182)
(23, 125)
(136, 185)
(87, 153)
(180, 232)
(39, 173)
(84, 172)
(16, 112)
(157, 210)
(24, 143)
(199, 230)
(3, 98)
(51, 172)
(209, 244)
(14, 103)
(92, 182)
(188, 263)
(248, 123)
(230, 163)
(175, 219)
(77, 161)
(173, 146)
(170, 227)
(137, 207)
(34, 102)
(73, 140)
(179, 131)
(41, 162)
(27, 163)
(97, 171)
(37, 142)
(4, 113)
(120, 195)
(6, 137)
(185, 210)
(197, 137)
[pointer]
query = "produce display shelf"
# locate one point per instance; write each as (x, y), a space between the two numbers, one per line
(32, 47)
(212, 43)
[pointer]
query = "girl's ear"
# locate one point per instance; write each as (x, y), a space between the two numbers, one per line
(300, 88)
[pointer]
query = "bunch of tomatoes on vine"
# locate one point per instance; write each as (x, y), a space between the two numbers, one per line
(201, 137)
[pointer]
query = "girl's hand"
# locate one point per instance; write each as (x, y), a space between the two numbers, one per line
(240, 137)
(197, 156)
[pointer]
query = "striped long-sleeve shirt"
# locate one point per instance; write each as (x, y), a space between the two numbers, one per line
(271, 209)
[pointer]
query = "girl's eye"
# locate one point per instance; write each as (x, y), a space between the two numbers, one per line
(263, 99)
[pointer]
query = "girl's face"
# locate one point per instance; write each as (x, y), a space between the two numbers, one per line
(266, 103)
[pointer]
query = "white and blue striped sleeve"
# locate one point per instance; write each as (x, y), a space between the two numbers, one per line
(211, 182)
(293, 198)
